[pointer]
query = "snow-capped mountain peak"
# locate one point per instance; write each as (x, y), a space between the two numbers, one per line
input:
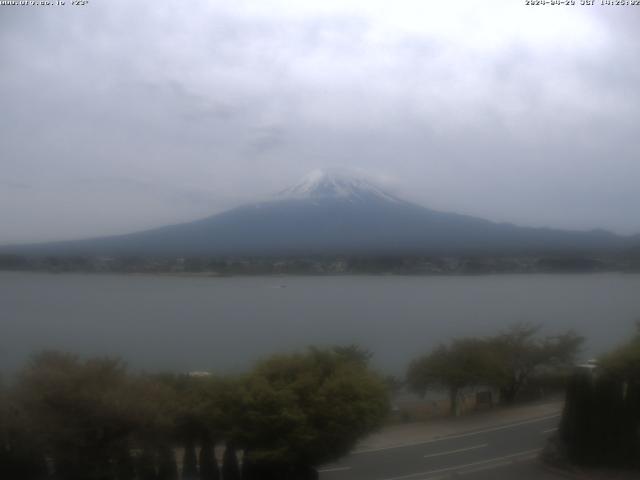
(335, 184)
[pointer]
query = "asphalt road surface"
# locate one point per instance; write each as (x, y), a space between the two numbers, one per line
(501, 452)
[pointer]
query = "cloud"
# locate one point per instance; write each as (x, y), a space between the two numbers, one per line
(497, 110)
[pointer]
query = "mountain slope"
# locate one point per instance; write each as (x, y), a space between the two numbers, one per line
(329, 213)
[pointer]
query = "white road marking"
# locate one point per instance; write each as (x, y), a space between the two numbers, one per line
(549, 430)
(475, 447)
(497, 460)
(461, 435)
(335, 469)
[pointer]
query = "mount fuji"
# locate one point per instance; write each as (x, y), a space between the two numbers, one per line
(335, 213)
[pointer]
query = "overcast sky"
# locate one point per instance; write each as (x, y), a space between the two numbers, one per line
(121, 115)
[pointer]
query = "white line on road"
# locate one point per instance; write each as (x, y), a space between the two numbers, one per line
(335, 469)
(549, 430)
(498, 460)
(475, 447)
(455, 436)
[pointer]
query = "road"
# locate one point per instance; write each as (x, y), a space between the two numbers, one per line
(500, 452)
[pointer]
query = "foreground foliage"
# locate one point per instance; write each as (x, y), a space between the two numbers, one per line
(307, 409)
(73, 419)
(505, 362)
(601, 421)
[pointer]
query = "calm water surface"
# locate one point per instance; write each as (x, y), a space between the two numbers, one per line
(225, 324)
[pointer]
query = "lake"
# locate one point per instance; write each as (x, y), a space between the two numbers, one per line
(225, 324)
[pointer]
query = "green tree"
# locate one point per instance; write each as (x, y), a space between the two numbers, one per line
(167, 468)
(203, 414)
(189, 461)
(88, 412)
(230, 467)
(79, 409)
(354, 353)
(208, 465)
(464, 363)
(21, 452)
(305, 409)
(146, 465)
(622, 365)
(124, 464)
(601, 419)
(624, 361)
(576, 429)
(521, 352)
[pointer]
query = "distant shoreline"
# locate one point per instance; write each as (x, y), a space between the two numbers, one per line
(328, 265)
(214, 275)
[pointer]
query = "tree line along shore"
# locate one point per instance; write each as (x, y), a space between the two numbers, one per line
(560, 262)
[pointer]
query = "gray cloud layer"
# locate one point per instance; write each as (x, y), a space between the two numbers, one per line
(122, 115)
